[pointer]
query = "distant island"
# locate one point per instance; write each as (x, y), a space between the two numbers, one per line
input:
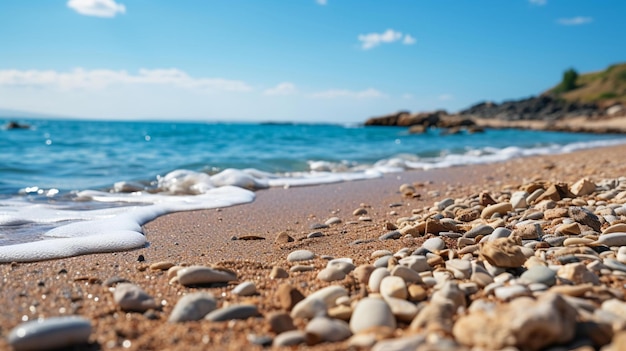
(593, 103)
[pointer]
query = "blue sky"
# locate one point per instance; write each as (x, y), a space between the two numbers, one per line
(299, 60)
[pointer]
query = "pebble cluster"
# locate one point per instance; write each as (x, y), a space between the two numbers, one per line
(540, 266)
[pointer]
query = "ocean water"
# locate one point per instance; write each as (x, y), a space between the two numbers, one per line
(77, 187)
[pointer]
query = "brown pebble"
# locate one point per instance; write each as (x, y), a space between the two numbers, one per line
(417, 293)
(280, 322)
(162, 266)
(283, 238)
(288, 296)
(278, 273)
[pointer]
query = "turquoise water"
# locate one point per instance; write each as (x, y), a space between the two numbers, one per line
(78, 187)
(79, 155)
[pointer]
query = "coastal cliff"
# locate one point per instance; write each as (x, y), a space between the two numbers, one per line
(593, 102)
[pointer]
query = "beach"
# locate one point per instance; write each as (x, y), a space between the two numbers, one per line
(242, 240)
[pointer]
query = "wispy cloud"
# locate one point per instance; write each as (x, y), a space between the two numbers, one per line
(538, 2)
(343, 93)
(445, 97)
(79, 78)
(574, 21)
(322, 2)
(372, 40)
(97, 8)
(284, 88)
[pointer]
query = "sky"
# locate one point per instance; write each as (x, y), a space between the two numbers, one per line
(293, 60)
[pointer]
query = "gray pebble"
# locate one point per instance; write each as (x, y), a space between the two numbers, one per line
(232, 312)
(130, 297)
(245, 289)
(193, 307)
(500, 233)
(289, 338)
(300, 255)
(50, 333)
(371, 312)
(324, 329)
(482, 229)
(391, 235)
(434, 244)
(540, 274)
(615, 264)
(382, 261)
(198, 275)
(330, 274)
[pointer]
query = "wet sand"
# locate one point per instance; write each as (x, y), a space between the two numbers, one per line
(78, 285)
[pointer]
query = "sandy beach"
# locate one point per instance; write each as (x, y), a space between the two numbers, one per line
(242, 239)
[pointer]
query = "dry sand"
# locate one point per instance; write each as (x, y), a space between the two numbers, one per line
(76, 285)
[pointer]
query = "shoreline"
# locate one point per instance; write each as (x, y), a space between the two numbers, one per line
(77, 285)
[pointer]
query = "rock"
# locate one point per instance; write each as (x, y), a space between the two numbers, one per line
(288, 296)
(578, 274)
(283, 238)
(434, 226)
(200, 275)
(50, 333)
(315, 235)
(503, 253)
(405, 343)
(383, 262)
(341, 264)
(528, 231)
(243, 311)
(330, 274)
(391, 286)
(371, 312)
(481, 229)
(568, 229)
(300, 255)
(289, 338)
(332, 221)
(615, 265)
(324, 329)
(162, 266)
(391, 235)
(615, 228)
(416, 263)
(539, 274)
(526, 324)
(132, 298)
(407, 274)
(402, 309)
(278, 273)
(301, 268)
(362, 273)
(417, 293)
(613, 239)
(518, 199)
(309, 308)
(376, 278)
(193, 307)
(583, 187)
(462, 269)
(621, 255)
(499, 233)
(245, 289)
(510, 292)
(450, 292)
(434, 244)
(501, 209)
(585, 217)
(435, 317)
(280, 322)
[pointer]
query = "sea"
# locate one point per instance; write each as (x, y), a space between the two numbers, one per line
(73, 187)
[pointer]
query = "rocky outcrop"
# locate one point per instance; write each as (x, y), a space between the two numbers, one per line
(545, 108)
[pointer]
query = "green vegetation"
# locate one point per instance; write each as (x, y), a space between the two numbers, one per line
(602, 87)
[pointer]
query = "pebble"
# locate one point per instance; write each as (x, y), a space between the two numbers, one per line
(193, 307)
(332, 220)
(416, 263)
(462, 269)
(300, 255)
(407, 274)
(371, 312)
(199, 275)
(621, 255)
(243, 311)
(132, 298)
(245, 289)
(392, 286)
(412, 342)
(510, 292)
(402, 309)
(613, 239)
(376, 278)
(315, 235)
(50, 333)
(382, 262)
(278, 273)
(324, 329)
(162, 266)
(289, 338)
(280, 322)
(615, 228)
(288, 296)
(539, 274)
(301, 268)
(501, 208)
(615, 265)
(391, 235)
(341, 264)
(330, 274)
(362, 273)
(482, 229)
(434, 244)
(381, 253)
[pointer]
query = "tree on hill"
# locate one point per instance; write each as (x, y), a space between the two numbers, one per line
(569, 81)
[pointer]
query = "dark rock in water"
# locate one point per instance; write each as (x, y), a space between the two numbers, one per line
(16, 125)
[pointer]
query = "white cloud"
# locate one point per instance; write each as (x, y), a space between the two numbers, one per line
(407, 96)
(574, 21)
(408, 40)
(322, 2)
(538, 2)
(79, 78)
(97, 8)
(284, 88)
(342, 93)
(372, 40)
(445, 97)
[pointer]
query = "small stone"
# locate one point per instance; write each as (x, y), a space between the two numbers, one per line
(199, 275)
(435, 226)
(132, 298)
(621, 255)
(510, 292)
(402, 309)
(435, 317)
(280, 322)
(462, 269)
(300, 255)
(301, 268)
(569, 229)
(243, 311)
(315, 235)
(289, 338)
(612, 239)
(578, 274)
(359, 212)
(362, 273)
(193, 307)
(583, 187)
(324, 329)
(278, 273)
(501, 208)
(585, 217)
(499, 233)
(615, 228)
(383, 261)
(412, 342)
(341, 264)
(283, 238)
(315, 226)
(332, 221)
(162, 266)
(518, 199)
(615, 265)
(539, 274)
(417, 293)
(50, 333)
(391, 235)
(288, 296)
(342, 312)
(503, 252)
(407, 274)
(245, 289)
(416, 263)
(481, 229)
(371, 312)
(391, 286)
(376, 278)
(434, 244)
(330, 274)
